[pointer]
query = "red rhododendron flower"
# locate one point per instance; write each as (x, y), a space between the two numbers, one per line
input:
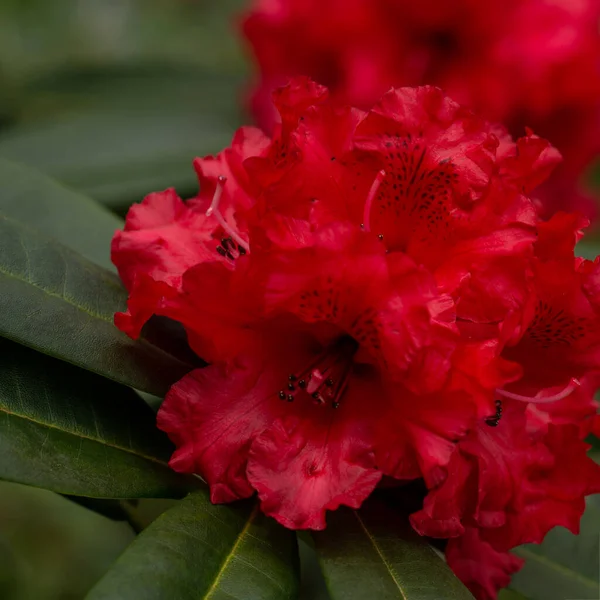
(532, 63)
(376, 295)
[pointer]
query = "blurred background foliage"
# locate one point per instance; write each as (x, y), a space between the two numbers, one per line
(115, 97)
(52, 548)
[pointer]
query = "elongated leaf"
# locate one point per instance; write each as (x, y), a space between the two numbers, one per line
(57, 302)
(564, 565)
(373, 553)
(116, 510)
(58, 212)
(199, 551)
(508, 594)
(312, 583)
(72, 432)
(139, 512)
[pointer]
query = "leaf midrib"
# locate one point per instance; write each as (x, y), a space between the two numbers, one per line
(88, 312)
(230, 556)
(77, 435)
(558, 566)
(381, 555)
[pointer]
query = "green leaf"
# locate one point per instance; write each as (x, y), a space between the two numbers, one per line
(564, 565)
(374, 553)
(57, 302)
(312, 583)
(124, 133)
(508, 594)
(116, 510)
(199, 551)
(57, 212)
(72, 432)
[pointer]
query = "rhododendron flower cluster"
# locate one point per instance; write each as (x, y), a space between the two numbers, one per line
(533, 63)
(376, 295)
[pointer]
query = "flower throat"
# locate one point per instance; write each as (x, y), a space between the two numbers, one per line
(326, 377)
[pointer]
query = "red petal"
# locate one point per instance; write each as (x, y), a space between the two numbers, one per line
(482, 569)
(213, 415)
(316, 461)
(162, 238)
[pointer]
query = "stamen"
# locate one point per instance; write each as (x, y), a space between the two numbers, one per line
(341, 388)
(228, 244)
(495, 418)
(213, 209)
(569, 389)
(366, 224)
(327, 375)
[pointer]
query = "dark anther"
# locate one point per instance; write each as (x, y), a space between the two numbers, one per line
(302, 383)
(380, 236)
(291, 386)
(316, 395)
(290, 398)
(282, 395)
(230, 256)
(495, 419)
(241, 250)
(335, 404)
(333, 158)
(221, 251)
(292, 377)
(227, 243)
(329, 382)
(362, 225)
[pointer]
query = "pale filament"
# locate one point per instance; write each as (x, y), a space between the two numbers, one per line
(213, 210)
(369, 201)
(569, 389)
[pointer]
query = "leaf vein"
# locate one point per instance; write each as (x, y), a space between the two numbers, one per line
(81, 436)
(231, 554)
(388, 566)
(87, 311)
(555, 565)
